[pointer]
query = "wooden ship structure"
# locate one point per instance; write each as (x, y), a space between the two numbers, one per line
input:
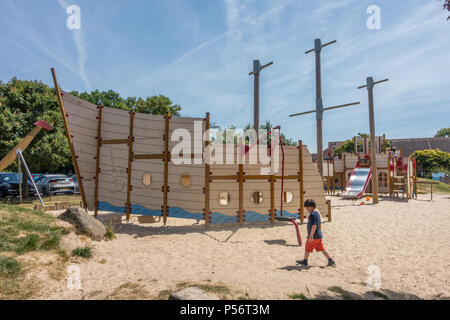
(124, 163)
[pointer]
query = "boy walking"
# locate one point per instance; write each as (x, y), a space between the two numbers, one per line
(314, 234)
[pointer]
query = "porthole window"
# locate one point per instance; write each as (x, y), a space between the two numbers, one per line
(147, 179)
(224, 198)
(257, 197)
(288, 197)
(186, 180)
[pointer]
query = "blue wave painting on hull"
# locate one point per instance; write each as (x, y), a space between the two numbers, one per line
(140, 210)
(175, 212)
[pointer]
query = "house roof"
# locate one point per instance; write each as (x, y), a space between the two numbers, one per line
(409, 146)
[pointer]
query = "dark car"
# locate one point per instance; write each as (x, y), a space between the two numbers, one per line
(9, 185)
(50, 184)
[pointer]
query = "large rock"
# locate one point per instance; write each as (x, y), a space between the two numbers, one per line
(84, 223)
(192, 293)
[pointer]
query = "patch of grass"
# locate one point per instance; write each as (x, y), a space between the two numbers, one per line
(380, 295)
(425, 188)
(23, 230)
(110, 234)
(298, 296)
(336, 289)
(85, 252)
(344, 294)
(129, 291)
(221, 290)
(9, 267)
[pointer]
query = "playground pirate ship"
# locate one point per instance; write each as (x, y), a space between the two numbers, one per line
(124, 164)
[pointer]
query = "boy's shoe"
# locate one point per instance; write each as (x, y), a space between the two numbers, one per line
(331, 263)
(303, 263)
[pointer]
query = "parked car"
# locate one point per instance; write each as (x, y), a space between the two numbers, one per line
(9, 185)
(75, 181)
(51, 184)
(36, 176)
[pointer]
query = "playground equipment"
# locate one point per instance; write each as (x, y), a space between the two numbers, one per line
(319, 104)
(124, 163)
(396, 176)
(24, 143)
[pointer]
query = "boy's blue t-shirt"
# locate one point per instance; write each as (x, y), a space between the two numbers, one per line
(315, 219)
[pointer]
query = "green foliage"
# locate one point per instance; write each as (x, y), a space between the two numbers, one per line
(151, 105)
(347, 147)
(22, 103)
(85, 252)
(9, 267)
(432, 160)
(443, 133)
(110, 234)
(221, 134)
(298, 296)
(23, 230)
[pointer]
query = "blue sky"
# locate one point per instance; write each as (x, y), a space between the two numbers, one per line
(199, 53)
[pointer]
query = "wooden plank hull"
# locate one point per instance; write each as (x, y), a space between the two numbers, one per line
(142, 182)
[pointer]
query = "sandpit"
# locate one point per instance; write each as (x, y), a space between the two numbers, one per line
(407, 241)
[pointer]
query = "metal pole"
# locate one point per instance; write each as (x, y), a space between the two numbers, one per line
(20, 157)
(373, 155)
(20, 178)
(319, 106)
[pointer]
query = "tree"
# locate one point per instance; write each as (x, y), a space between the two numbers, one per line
(221, 134)
(347, 147)
(433, 161)
(22, 103)
(151, 105)
(446, 6)
(443, 133)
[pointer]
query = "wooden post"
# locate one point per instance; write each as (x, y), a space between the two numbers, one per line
(373, 153)
(302, 187)
(166, 167)
(389, 174)
(272, 199)
(329, 210)
(130, 160)
(69, 138)
(241, 194)
(207, 172)
(370, 84)
(97, 157)
(328, 176)
(415, 177)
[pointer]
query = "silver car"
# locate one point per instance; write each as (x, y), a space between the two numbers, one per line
(51, 184)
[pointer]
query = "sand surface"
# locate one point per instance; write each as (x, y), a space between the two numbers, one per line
(407, 241)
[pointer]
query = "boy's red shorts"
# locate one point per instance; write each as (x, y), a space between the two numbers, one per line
(314, 244)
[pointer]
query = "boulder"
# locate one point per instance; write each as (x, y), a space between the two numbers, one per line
(192, 293)
(84, 223)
